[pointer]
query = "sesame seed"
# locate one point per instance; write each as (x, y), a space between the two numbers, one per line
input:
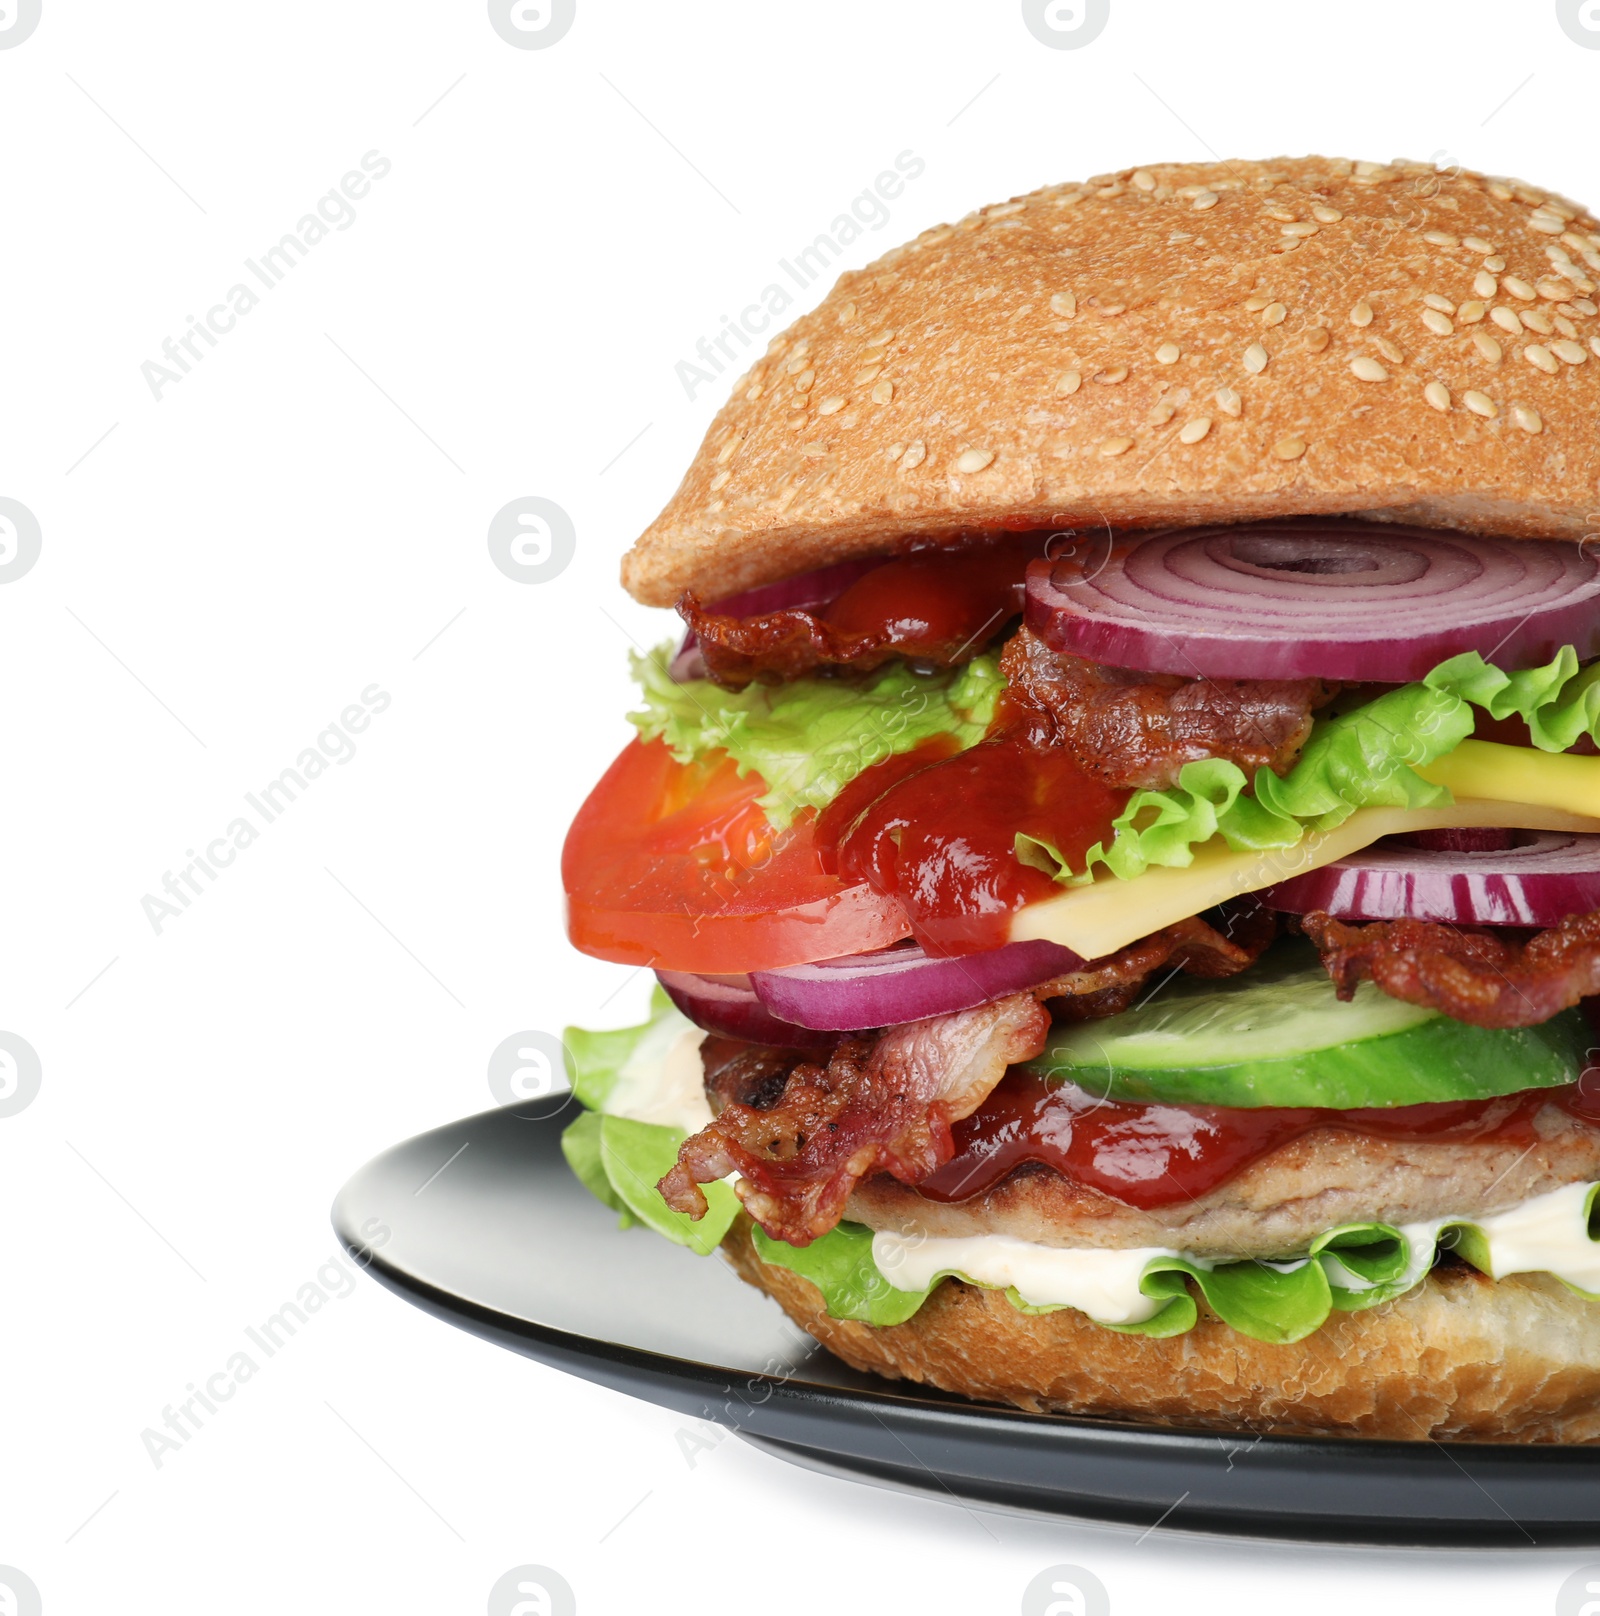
(862, 377)
(1111, 310)
(1069, 381)
(799, 401)
(1437, 394)
(1584, 306)
(1318, 338)
(1440, 238)
(1064, 303)
(1361, 314)
(1229, 402)
(1487, 346)
(882, 339)
(1477, 244)
(1111, 375)
(1440, 324)
(1494, 264)
(1144, 179)
(914, 456)
(974, 459)
(883, 392)
(871, 356)
(1326, 214)
(1565, 326)
(1528, 419)
(1537, 320)
(831, 405)
(1368, 369)
(1442, 304)
(1169, 353)
(1480, 403)
(1594, 346)
(1257, 301)
(1572, 352)
(1206, 199)
(1274, 314)
(1506, 319)
(1515, 286)
(1484, 284)
(1193, 431)
(1365, 170)
(1300, 227)
(755, 391)
(1255, 358)
(895, 450)
(803, 382)
(1274, 211)
(1471, 312)
(1553, 291)
(1161, 412)
(1115, 446)
(1005, 210)
(720, 480)
(1541, 358)
(1289, 448)
(1546, 223)
(1390, 351)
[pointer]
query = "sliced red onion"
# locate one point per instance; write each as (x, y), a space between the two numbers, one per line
(1316, 599)
(1548, 876)
(893, 985)
(728, 1006)
(811, 589)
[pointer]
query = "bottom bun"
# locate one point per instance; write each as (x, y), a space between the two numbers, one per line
(1461, 1356)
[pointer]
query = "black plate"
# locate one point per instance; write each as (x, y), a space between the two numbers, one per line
(481, 1224)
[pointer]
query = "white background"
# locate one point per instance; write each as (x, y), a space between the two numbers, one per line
(304, 515)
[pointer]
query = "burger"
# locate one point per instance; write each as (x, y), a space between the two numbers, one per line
(1118, 832)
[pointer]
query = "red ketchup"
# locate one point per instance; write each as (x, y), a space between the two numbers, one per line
(1156, 1155)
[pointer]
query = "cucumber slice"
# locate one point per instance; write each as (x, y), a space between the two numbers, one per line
(1278, 1036)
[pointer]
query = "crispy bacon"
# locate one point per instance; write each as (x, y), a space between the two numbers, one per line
(802, 1134)
(782, 645)
(1488, 978)
(880, 1103)
(1139, 729)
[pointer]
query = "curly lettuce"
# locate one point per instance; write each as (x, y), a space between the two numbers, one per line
(1346, 1269)
(809, 738)
(1364, 758)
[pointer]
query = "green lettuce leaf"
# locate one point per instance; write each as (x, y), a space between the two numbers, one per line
(1354, 1266)
(1364, 758)
(596, 1059)
(636, 1156)
(619, 1160)
(809, 738)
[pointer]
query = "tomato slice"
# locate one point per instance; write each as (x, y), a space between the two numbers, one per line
(675, 866)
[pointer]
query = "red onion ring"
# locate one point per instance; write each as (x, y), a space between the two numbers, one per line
(728, 1006)
(893, 985)
(1549, 876)
(820, 587)
(1316, 599)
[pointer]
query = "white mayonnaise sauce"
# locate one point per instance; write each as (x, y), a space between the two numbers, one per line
(1548, 1234)
(662, 1080)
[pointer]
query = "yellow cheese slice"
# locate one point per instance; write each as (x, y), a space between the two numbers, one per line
(1519, 774)
(1111, 913)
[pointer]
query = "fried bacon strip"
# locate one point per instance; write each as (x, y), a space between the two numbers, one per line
(1139, 729)
(1488, 978)
(885, 1102)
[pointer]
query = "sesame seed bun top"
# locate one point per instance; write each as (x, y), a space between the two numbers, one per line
(1176, 344)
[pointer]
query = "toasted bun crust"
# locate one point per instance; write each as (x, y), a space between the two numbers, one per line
(1171, 345)
(1460, 1356)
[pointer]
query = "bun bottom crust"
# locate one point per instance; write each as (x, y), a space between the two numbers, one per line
(1461, 1356)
